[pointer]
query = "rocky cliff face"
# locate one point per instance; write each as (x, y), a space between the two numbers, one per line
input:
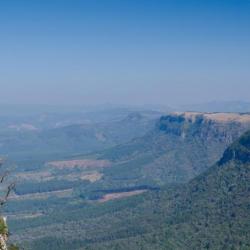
(181, 146)
(225, 127)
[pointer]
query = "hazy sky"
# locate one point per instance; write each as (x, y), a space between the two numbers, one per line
(137, 52)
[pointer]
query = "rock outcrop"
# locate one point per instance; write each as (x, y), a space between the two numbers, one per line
(3, 233)
(224, 127)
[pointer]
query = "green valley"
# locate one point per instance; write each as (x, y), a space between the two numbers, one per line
(158, 191)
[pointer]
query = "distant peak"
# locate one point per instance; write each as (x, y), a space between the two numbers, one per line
(134, 116)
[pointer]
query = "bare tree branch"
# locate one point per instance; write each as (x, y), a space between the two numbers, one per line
(9, 189)
(3, 176)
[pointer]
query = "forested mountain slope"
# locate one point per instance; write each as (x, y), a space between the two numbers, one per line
(181, 146)
(209, 212)
(212, 211)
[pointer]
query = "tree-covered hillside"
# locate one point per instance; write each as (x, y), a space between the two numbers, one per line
(181, 146)
(209, 212)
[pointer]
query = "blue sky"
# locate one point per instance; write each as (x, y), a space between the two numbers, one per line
(124, 52)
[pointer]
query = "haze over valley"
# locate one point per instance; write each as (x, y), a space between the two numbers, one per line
(124, 125)
(102, 166)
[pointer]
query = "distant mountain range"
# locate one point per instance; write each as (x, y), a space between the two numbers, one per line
(54, 136)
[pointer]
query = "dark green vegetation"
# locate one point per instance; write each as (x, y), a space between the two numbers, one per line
(60, 204)
(209, 212)
(239, 150)
(47, 186)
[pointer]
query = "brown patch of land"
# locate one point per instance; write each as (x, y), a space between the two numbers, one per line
(120, 195)
(228, 117)
(43, 176)
(92, 177)
(35, 176)
(89, 176)
(219, 117)
(86, 163)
